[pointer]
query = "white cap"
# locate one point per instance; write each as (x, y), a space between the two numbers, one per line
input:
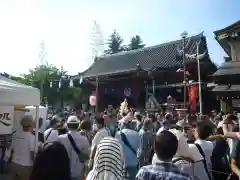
(73, 120)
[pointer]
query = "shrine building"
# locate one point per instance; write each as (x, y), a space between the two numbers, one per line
(151, 70)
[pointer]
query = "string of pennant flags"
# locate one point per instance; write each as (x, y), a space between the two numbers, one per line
(60, 81)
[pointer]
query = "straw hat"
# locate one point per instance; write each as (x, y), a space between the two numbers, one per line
(27, 121)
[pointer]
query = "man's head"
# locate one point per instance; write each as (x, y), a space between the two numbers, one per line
(127, 122)
(55, 122)
(85, 125)
(202, 130)
(147, 124)
(109, 115)
(165, 145)
(73, 123)
(27, 123)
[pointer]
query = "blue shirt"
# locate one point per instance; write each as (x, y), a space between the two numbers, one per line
(130, 159)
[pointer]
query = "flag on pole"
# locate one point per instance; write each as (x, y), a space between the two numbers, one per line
(193, 94)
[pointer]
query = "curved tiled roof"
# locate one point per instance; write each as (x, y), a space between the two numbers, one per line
(161, 56)
(228, 68)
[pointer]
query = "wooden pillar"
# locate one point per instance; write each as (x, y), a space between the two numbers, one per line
(225, 105)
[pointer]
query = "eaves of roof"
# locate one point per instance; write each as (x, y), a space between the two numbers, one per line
(224, 32)
(163, 56)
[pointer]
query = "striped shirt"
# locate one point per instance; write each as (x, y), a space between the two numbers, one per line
(108, 161)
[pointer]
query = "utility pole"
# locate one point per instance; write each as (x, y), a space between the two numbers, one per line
(42, 73)
(97, 45)
(184, 36)
(198, 57)
(97, 81)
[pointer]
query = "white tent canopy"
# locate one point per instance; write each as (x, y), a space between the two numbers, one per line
(15, 93)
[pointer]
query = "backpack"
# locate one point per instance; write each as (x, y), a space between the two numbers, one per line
(219, 160)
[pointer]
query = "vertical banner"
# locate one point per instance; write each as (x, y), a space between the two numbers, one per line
(193, 94)
(6, 119)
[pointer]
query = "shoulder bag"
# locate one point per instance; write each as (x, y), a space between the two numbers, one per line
(126, 142)
(47, 136)
(81, 155)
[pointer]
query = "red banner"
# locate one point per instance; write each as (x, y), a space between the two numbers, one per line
(193, 94)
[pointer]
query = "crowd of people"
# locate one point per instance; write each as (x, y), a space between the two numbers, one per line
(127, 146)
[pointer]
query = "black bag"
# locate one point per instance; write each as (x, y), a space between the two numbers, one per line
(81, 155)
(220, 160)
(126, 142)
(40, 136)
(204, 161)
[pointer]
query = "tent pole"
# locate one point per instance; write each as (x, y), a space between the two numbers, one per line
(36, 128)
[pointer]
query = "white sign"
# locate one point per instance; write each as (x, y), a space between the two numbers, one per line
(6, 119)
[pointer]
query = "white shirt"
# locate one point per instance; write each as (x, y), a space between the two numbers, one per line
(83, 145)
(102, 133)
(207, 147)
(23, 148)
(53, 136)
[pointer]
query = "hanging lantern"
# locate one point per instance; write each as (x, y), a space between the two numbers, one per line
(60, 83)
(50, 84)
(93, 100)
(80, 80)
(71, 83)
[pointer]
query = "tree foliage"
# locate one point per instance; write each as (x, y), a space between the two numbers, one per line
(42, 76)
(115, 43)
(135, 43)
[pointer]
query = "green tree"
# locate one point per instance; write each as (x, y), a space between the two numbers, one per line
(115, 43)
(46, 77)
(15, 78)
(135, 43)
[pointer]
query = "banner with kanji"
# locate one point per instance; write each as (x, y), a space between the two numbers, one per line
(193, 94)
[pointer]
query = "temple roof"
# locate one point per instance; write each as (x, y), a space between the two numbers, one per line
(229, 28)
(226, 88)
(223, 34)
(228, 68)
(163, 56)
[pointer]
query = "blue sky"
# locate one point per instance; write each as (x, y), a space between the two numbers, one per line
(66, 27)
